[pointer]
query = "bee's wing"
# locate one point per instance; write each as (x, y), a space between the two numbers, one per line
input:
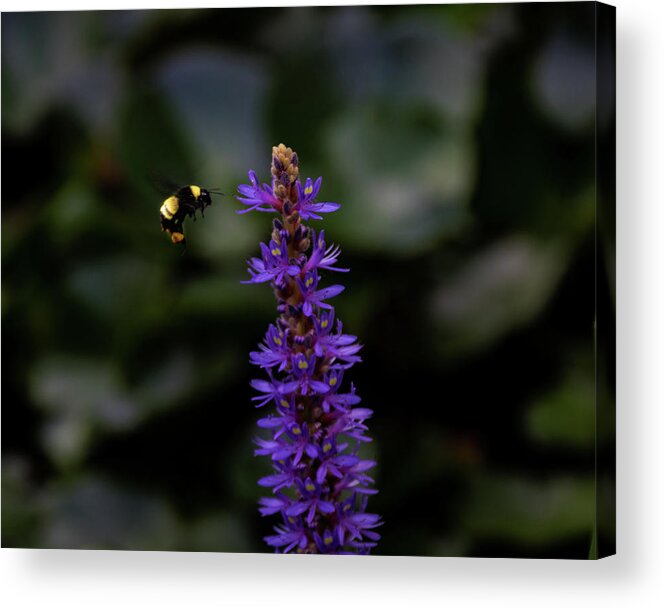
(163, 185)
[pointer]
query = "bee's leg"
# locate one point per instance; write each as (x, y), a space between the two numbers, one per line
(191, 211)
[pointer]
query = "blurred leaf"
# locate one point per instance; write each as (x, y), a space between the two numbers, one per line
(29, 52)
(214, 531)
(565, 82)
(84, 398)
(118, 288)
(217, 99)
(496, 291)
(411, 61)
(80, 396)
(152, 140)
(90, 390)
(455, 545)
(168, 383)
(217, 296)
(48, 59)
(72, 211)
(406, 187)
(94, 513)
(475, 18)
(507, 507)
(566, 416)
(21, 509)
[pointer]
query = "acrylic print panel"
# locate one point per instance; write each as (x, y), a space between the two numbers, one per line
(392, 334)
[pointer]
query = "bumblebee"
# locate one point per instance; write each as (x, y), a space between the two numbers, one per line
(183, 203)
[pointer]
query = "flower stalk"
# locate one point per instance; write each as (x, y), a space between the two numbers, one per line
(319, 483)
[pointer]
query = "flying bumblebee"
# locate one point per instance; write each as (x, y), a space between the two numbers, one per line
(183, 203)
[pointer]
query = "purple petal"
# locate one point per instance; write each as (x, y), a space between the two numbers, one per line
(296, 509)
(329, 292)
(261, 385)
(326, 507)
(319, 386)
(269, 422)
(273, 480)
(324, 207)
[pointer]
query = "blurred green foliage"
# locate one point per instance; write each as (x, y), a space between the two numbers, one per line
(459, 140)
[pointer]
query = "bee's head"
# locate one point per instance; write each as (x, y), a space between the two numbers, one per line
(204, 198)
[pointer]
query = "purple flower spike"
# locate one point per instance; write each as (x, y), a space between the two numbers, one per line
(320, 484)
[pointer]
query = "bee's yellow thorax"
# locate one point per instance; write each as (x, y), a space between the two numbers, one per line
(170, 207)
(196, 191)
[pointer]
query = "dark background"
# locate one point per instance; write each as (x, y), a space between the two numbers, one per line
(459, 141)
